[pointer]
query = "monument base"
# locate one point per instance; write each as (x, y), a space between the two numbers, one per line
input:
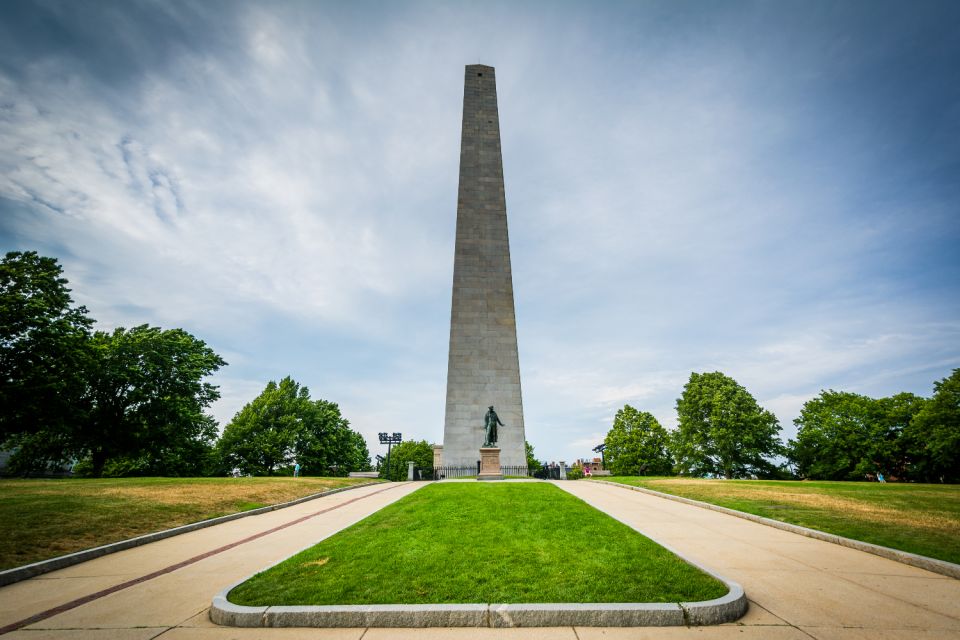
(490, 464)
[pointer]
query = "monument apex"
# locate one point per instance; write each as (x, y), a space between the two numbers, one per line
(484, 365)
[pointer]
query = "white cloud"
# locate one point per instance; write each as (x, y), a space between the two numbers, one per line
(287, 191)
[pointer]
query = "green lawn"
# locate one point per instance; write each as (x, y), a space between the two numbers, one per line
(919, 518)
(41, 519)
(482, 543)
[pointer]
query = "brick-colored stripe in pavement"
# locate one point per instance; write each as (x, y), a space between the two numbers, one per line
(49, 613)
(799, 588)
(83, 596)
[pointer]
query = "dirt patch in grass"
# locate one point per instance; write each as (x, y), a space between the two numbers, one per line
(316, 563)
(861, 509)
(42, 519)
(243, 492)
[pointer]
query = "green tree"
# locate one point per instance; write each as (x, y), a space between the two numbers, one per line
(722, 430)
(845, 436)
(533, 465)
(325, 444)
(190, 459)
(148, 398)
(261, 437)
(134, 398)
(282, 426)
(889, 448)
(356, 456)
(637, 445)
(934, 433)
(44, 353)
(419, 451)
(833, 431)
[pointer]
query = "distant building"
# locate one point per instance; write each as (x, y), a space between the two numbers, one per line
(592, 467)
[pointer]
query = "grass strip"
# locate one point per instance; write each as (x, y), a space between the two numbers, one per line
(482, 543)
(41, 519)
(918, 518)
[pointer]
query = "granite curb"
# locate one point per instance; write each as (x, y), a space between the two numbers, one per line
(941, 567)
(614, 614)
(17, 574)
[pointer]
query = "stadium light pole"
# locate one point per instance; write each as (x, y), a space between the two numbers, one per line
(600, 449)
(390, 440)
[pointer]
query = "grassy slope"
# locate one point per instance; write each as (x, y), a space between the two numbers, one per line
(42, 519)
(919, 518)
(464, 542)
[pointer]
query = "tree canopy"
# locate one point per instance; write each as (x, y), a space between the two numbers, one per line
(44, 356)
(282, 426)
(848, 436)
(934, 433)
(133, 397)
(637, 445)
(533, 465)
(722, 430)
(148, 396)
(418, 451)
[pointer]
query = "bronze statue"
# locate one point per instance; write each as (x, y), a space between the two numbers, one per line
(491, 420)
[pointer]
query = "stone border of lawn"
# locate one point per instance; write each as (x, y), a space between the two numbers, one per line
(726, 608)
(598, 614)
(922, 562)
(9, 576)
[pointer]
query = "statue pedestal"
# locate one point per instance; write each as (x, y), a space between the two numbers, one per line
(490, 464)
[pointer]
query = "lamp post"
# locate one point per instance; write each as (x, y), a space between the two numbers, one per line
(603, 458)
(389, 440)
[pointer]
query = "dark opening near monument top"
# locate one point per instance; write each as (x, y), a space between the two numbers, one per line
(484, 365)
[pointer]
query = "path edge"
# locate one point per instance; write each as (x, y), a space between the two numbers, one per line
(727, 608)
(10, 576)
(941, 567)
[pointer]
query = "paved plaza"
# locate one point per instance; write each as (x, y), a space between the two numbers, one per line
(798, 587)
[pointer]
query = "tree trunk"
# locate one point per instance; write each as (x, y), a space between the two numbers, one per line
(98, 459)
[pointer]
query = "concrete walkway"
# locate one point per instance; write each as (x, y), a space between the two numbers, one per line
(799, 588)
(157, 600)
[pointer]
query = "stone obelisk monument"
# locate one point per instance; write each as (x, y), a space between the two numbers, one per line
(484, 366)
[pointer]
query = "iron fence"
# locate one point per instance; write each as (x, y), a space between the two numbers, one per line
(549, 472)
(439, 473)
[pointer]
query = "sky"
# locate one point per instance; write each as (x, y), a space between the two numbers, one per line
(767, 189)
